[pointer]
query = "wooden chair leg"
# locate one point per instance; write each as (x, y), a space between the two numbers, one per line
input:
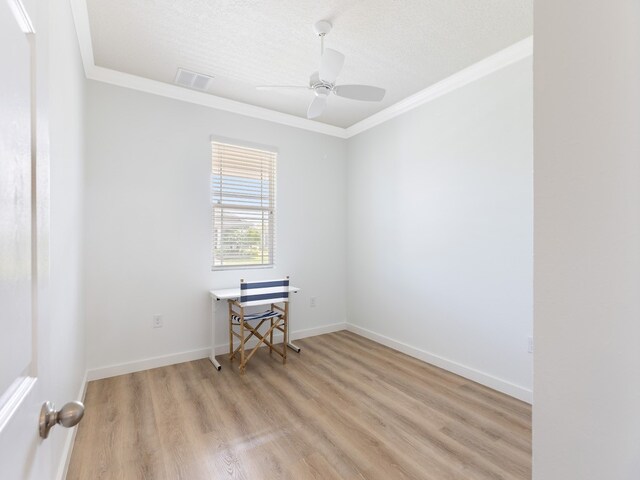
(271, 338)
(281, 323)
(286, 336)
(242, 362)
(286, 332)
(230, 335)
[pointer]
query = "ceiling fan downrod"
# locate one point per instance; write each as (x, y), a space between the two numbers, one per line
(322, 28)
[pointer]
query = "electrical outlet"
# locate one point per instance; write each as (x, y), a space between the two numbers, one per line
(312, 302)
(157, 321)
(530, 344)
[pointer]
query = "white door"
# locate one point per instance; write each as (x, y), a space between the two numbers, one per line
(22, 453)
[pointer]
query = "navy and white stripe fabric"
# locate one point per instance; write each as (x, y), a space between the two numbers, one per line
(256, 316)
(264, 292)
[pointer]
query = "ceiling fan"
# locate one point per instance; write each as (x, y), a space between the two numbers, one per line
(323, 81)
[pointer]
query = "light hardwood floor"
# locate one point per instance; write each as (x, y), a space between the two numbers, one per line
(345, 408)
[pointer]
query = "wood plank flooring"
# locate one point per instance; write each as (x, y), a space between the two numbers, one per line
(345, 408)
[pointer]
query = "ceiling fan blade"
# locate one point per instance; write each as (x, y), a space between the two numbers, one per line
(270, 87)
(360, 92)
(330, 65)
(315, 78)
(317, 106)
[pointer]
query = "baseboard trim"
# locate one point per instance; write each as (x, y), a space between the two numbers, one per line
(508, 388)
(490, 381)
(483, 378)
(67, 450)
(294, 335)
(146, 364)
(171, 359)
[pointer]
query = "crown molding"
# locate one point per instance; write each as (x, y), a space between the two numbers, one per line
(168, 90)
(114, 77)
(81, 20)
(501, 59)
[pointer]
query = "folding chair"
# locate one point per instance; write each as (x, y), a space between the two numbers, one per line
(246, 325)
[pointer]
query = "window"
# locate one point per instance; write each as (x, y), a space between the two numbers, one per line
(243, 206)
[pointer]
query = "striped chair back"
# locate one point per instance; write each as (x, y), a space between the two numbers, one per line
(264, 292)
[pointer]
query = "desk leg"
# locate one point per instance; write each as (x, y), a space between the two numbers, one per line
(293, 347)
(212, 357)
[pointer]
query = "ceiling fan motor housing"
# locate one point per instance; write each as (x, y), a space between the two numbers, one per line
(322, 90)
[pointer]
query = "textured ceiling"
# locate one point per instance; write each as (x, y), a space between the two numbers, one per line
(401, 45)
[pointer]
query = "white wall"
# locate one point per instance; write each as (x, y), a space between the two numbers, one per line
(148, 223)
(448, 185)
(440, 230)
(65, 335)
(586, 423)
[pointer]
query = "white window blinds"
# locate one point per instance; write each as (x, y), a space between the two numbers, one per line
(243, 205)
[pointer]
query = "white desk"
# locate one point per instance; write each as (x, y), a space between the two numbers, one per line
(233, 294)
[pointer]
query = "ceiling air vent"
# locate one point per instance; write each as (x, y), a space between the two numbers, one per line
(194, 80)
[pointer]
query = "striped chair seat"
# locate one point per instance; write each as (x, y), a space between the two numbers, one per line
(267, 314)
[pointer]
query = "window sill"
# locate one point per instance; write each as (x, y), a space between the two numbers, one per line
(241, 267)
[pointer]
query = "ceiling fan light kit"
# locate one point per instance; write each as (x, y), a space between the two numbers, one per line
(323, 81)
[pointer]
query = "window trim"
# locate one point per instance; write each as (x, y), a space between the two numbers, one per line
(252, 145)
(244, 143)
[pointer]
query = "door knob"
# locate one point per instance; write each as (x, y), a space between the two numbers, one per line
(68, 416)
